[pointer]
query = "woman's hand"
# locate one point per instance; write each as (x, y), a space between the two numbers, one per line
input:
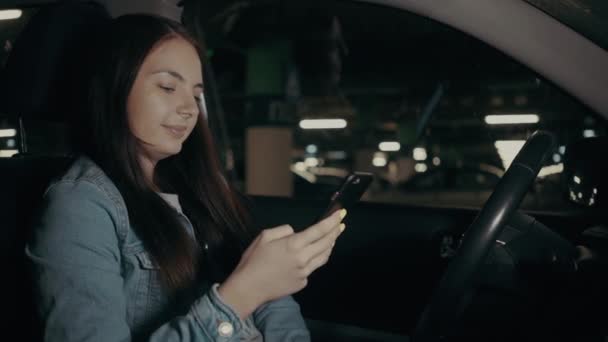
(278, 263)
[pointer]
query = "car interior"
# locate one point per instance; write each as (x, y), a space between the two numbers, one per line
(401, 271)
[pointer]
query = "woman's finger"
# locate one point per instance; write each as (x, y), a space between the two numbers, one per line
(276, 233)
(317, 231)
(318, 261)
(323, 244)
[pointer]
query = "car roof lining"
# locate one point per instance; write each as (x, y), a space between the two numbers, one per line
(587, 17)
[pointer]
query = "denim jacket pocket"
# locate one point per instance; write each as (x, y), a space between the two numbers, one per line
(148, 300)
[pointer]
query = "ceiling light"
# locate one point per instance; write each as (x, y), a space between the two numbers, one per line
(323, 124)
(389, 146)
(312, 149)
(420, 167)
(557, 157)
(7, 133)
(8, 153)
(10, 14)
(589, 133)
(419, 153)
(299, 166)
(510, 119)
(311, 162)
(379, 159)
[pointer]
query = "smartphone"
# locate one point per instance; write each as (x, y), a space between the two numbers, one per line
(349, 192)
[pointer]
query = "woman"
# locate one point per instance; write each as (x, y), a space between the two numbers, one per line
(142, 238)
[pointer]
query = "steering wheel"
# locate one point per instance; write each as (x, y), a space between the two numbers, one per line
(454, 290)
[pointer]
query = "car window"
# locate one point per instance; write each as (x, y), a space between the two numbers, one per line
(12, 22)
(310, 91)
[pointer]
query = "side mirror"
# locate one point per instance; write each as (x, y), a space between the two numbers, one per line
(586, 172)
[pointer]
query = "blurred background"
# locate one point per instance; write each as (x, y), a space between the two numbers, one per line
(302, 93)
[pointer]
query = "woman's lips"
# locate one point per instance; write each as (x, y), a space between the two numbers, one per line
(176, 131)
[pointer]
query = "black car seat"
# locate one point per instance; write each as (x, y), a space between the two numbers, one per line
(40, 90)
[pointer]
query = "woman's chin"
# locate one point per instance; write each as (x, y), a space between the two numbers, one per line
(169, 151)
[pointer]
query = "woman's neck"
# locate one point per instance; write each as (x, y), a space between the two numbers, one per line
(148, 166)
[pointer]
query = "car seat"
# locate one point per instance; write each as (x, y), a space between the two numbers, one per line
(40, 90)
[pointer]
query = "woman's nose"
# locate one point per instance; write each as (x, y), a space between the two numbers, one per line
(186, 114)
(188, 109)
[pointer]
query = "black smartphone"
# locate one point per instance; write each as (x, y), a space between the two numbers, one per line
(349, 192)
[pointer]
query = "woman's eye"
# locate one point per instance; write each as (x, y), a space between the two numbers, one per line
(197, 98)
(167, 89)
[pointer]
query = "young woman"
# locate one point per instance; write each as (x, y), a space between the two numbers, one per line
(142, 238)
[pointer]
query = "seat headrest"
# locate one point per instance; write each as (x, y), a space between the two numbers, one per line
(40, 79)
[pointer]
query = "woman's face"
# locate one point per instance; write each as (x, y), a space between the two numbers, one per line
(162, 106)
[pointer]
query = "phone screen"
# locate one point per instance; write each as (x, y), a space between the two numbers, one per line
(349, 192)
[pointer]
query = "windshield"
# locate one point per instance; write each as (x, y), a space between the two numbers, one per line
(306, 92)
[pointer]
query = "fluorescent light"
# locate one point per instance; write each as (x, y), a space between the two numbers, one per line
(589, 133)
(7, 133)
(510, 119)
(312, 149)
(299, 166)
(10, 14)
(311, 162)
(420, 153)
(379, 159)
(577, 180)
(551, 170)
(8, 153)
(420, 167)
(323, 124)
(389, 146)
(436, 161)
(557, 157)
(379, 162)
(562, 149)
(507, 150)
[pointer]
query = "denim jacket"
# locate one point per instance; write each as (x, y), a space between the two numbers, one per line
(96, 282)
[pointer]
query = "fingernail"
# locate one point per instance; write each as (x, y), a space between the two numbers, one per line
(342, 227)
(342, 213)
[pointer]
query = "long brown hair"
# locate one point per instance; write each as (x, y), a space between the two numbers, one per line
(215, 209)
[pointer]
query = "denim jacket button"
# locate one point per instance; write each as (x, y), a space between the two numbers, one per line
(225, 329)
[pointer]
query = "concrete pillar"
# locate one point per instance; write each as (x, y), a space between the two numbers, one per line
(268, 161)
